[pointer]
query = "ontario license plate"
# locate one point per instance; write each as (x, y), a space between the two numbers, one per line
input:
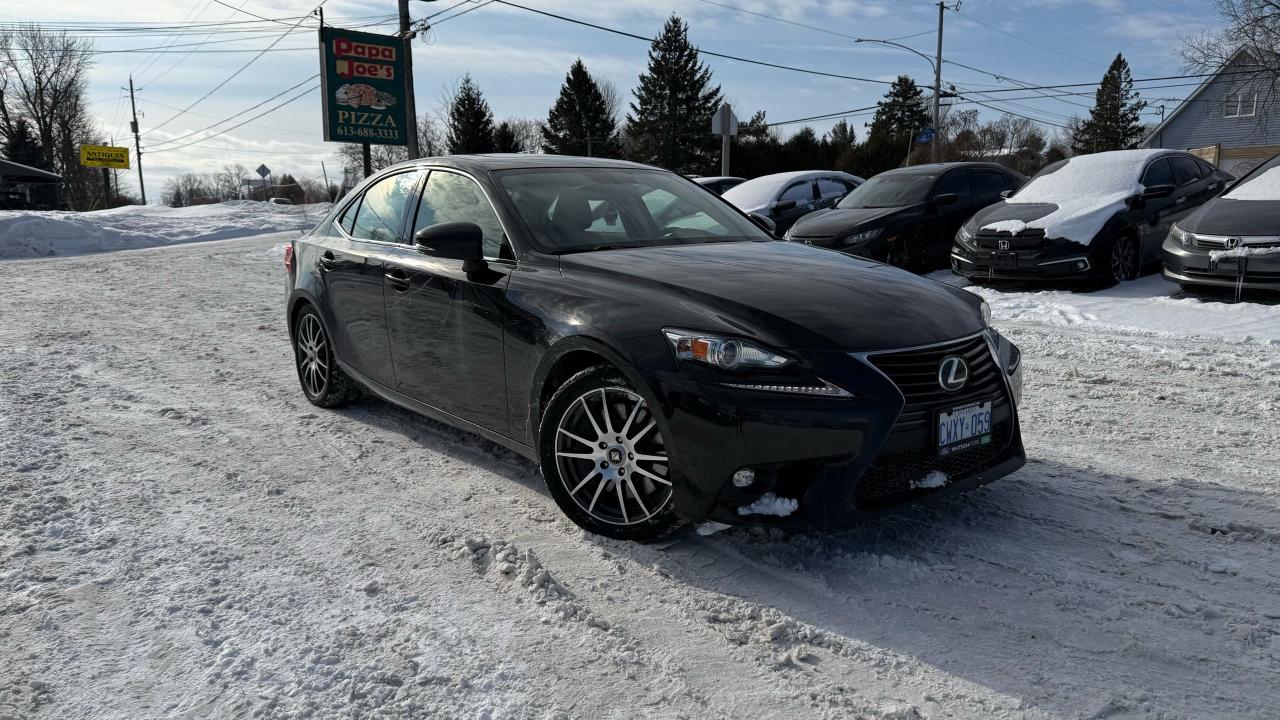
(1005, 260)
(964, 427)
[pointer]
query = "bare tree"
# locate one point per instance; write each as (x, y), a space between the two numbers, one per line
(42, 79)
(1251, 27)
(430, 144)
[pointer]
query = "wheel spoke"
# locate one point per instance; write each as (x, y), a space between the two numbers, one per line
(631, 418)
(604, 405)
(636, 495)
(576, 456)
(594, 498)
(651, 476)
(642, 433)
(587, 410)
(584, 441)
(622, 502)
(585, 480)
(651, 458)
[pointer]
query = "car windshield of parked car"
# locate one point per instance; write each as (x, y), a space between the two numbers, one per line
(885, 191)
(581, 209)
(1261, 184)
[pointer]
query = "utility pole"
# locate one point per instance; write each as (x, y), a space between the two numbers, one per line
(410, 109)
(137, 141)
(937, 84)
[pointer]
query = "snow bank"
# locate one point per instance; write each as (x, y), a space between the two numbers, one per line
(1266, 186)
(1149, 305)
(39, 234)
(1088, 190)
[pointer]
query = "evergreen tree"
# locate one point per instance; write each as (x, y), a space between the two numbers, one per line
(1115, 121)
(580, 113)
(22, 146)
(470, 120)
(670, 121)
(504, 138)
(899, 116)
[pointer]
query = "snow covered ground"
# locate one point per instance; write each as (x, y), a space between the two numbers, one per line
(182, 535)
(40, 234)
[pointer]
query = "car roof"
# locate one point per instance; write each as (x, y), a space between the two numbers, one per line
(786, 177)
(937, 168)
(703, 179)
(511, 161)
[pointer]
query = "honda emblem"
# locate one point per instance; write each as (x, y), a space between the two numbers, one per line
(1002, 244)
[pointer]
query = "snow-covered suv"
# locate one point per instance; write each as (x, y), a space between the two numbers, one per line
(1099, 218)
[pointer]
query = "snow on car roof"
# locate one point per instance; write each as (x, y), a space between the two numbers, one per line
(1088, 190)
(758, 192)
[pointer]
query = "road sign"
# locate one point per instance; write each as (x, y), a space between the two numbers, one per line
(362, 87)
(104, 156)
(925, 137)
(724, 122)
(263, 171)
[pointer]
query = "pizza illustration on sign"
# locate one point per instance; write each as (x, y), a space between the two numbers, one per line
(359, 94)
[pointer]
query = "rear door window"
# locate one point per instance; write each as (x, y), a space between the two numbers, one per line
(801, 192)
(381, 213)
(1185, 170)
(1158, 173)
(832, 188)
(956, 181)
(987, 182)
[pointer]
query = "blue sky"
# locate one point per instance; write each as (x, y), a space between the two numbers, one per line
(519, 59)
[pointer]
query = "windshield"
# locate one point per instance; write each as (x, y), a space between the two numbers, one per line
(894, 190)
(1102, 176)
(579, 209)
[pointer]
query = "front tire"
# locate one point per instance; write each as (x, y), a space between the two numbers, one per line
(323, 382)
(1120, 261)
(604, 458)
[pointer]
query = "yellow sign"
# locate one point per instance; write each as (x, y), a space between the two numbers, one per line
(104, 156)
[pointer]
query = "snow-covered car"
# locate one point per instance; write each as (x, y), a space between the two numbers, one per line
(718, 183)
(786, 197)
(659, 355)
(280, 201)
(1099, 218)
(1232, 241)
(909, 216)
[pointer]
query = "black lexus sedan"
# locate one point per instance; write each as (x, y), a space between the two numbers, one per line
(907, 217)
(1097, 218)
(659, 354)
(1234, 240)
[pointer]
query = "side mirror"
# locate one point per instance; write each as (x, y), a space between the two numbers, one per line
(1157, 191)
(783, 206)
(765, 223)
(944, 199)
(458, 241)
(1006, 194)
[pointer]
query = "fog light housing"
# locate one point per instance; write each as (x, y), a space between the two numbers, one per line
(744, 478)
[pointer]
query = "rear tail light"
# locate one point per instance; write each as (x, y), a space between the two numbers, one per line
(288, 258)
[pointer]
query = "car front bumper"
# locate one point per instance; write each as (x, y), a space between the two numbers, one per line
(1049, 259)
(842, 459)
(1194, 266)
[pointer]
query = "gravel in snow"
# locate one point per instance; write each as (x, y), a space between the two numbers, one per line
(182, 535)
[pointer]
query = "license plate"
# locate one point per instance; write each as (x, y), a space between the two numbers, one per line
(964, 427)
(1004, 260)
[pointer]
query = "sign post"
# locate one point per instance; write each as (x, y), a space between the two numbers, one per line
(725, 124)
(362, 86)
(263, 171)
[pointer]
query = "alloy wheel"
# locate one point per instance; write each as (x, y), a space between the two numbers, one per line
(312, 349)
(611, 458)
(1123, 259)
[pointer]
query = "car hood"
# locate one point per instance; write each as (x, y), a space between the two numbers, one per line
(788, 295)
(1226, 216)
(1078, 219)
(835, 222)
(1009, 214)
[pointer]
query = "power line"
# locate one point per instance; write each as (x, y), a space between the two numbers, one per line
(1029, 42)
(235, 115)
(222, 120)
(700, 50)
(826, 116)
(299, 96)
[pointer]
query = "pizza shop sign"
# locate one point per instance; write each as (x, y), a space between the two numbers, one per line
(362, 82)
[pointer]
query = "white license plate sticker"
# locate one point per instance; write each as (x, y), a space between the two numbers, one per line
(964, 427)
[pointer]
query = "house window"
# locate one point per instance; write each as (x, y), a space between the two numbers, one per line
(1240, 104)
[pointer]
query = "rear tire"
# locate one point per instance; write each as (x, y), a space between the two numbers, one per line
(604, 459)
(323, 382)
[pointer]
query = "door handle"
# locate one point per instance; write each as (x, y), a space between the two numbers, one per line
(1180, 200)
(1214, 186)
(328, 261)
(397, 280)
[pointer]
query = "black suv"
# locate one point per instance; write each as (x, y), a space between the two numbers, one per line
(1097, 218)
(907, 217)
(658, 353)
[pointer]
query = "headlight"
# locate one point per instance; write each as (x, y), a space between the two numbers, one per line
(986, 313)
(965, 236)
(724, 353)
(1185, 238)
(865, 235)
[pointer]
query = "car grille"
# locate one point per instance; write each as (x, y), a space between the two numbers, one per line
(909, 453)
(1219, 242)
(1026, 240)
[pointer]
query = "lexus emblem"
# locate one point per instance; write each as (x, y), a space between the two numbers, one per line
(953, 373)
(1002, 244)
